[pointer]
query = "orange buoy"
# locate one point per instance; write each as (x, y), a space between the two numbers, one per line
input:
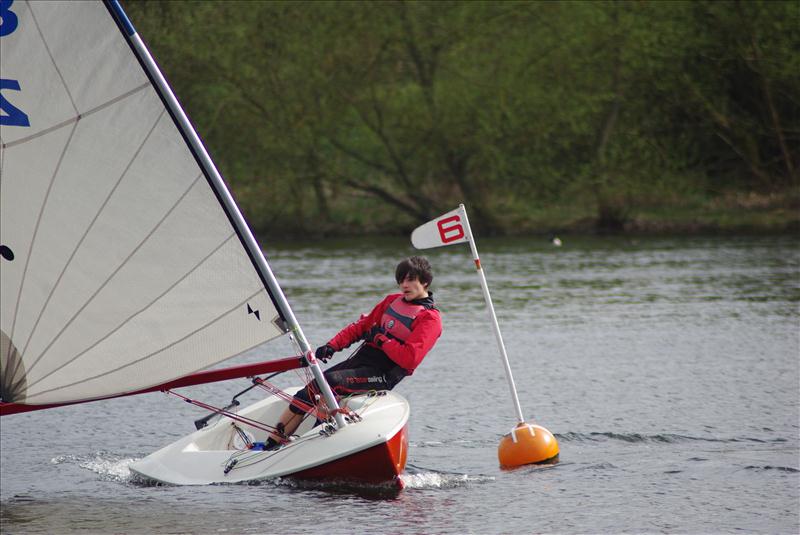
(527, 444)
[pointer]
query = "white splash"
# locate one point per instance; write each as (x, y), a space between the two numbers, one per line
(114, 469)
(440, 480)
(109, 466)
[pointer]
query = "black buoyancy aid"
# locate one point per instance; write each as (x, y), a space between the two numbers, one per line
(400, 315)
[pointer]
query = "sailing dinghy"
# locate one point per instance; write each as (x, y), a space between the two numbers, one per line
(126, 266)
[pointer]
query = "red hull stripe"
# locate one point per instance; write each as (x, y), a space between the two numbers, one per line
(378, 464)
(208, 376)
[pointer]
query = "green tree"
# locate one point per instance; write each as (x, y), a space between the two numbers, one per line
(340, 115)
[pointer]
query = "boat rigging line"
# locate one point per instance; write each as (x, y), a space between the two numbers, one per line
(202, 422)
(251, 456)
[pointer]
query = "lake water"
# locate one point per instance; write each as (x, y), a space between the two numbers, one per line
(667, 368)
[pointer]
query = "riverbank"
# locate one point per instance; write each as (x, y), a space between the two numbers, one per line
(733, 213)
(749, 213)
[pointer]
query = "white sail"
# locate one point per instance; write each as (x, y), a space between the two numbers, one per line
(123, 264)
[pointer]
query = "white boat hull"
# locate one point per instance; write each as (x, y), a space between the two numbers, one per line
(371, 450)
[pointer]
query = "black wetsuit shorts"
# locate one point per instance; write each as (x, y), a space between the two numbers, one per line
(367, 369)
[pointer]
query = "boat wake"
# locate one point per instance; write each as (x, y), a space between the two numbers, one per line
(438, 480)
(109, 466)
(426, 478)
(413, 480)
(113, 467)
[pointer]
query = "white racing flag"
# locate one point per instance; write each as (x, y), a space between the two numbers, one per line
(447, 229)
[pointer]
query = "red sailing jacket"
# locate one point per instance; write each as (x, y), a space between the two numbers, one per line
(409, 345)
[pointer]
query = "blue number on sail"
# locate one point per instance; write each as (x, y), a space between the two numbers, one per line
(13, 115)
(8, 19)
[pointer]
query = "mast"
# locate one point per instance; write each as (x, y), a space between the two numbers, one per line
(226, 199)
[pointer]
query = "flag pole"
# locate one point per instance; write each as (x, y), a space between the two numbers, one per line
(526, 443)
(495, 326)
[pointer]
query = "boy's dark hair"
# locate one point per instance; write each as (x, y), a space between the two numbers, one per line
(417, 267)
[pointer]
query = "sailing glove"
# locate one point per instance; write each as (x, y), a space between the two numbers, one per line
(325, 352)
(375, 335)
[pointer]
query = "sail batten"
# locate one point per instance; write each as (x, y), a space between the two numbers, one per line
(126, 263)
(77, 117)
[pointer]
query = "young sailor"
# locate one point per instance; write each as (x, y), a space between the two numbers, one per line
(398, 333)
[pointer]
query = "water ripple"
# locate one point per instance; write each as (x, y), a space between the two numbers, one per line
(667, 438)
(768, 467)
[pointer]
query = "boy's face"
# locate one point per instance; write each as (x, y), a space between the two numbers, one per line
(412, 288)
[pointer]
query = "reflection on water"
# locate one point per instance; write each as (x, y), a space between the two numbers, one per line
(667, 368)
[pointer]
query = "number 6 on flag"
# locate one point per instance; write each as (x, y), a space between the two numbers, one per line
(447, 229)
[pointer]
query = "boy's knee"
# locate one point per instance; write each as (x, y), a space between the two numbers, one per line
(302, 396)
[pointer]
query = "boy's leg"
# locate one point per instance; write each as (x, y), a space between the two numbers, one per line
(343, 380)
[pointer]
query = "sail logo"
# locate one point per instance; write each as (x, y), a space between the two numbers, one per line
(10, 115)
(255, 312)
